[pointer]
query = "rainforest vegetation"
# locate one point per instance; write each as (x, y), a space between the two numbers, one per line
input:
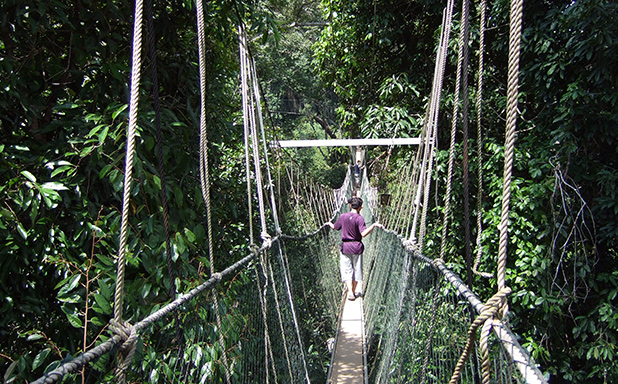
(327, 69)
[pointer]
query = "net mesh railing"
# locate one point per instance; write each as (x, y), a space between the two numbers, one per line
(417, 322)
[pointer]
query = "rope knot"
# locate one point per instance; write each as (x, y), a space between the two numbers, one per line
(125, 354)
(437, 261)
(122, 329)
(217, 276)
(267, 240)
(409, 245)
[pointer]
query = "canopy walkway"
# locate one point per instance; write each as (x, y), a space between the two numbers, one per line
(280, 308)
(277, 314)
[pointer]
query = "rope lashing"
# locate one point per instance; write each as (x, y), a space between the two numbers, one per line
(128, 172)
(490, 310)
(266, 239)
(129, 337)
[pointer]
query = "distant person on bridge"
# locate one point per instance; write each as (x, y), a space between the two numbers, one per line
(358, 167)
(353, 229)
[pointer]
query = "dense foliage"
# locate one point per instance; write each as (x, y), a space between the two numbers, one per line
(64, 73)
(562, 248)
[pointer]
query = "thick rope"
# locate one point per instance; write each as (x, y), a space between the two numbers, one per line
(463, 45)
(433, 112)
(490, 310)
(245, 113)
(128, 166)
(204, 174)
(511, 123)
(129, 346)
(484, 347)
(270, 186)
(451, 161)
(479, 143)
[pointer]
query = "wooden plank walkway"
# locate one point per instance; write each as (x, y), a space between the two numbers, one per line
(348, 364)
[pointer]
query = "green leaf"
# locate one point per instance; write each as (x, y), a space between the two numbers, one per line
(29, 176)
(54, 186)
(74, 320)
(103, 134)
(103, 303)
(61, 169)
(40, 358)
(119, 110)
(157, 181)
(9, 372)
(22, 231)
(34, 337)
(70, 285)
(189, 235)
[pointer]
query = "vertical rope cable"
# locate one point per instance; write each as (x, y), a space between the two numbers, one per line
(451, 161)
(245, 113)
(128, 166)
(171, 270)
(432, 121)
(250, 105)
(280, 318)
(262, 291)
(511, 121)
(128, 348)
(479, 142)
(256, 92)
(464, 46)
(156, 102)
(204, 172)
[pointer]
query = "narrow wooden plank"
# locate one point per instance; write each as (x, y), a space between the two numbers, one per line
(348, 362)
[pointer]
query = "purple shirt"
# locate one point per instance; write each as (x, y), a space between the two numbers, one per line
(351, 225)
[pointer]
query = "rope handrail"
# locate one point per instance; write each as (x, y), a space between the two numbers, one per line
(520, 357)
(106, 346)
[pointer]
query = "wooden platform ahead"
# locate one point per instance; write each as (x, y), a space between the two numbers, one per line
(348, 364)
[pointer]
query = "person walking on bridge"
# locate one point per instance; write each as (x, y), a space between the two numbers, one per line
(353, 229)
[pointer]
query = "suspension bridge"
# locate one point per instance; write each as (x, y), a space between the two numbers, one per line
(280, 314)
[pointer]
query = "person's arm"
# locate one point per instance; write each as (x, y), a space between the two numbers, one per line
(330, 224)
(370, 228)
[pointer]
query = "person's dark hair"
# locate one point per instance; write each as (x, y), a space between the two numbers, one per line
(355, 202)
